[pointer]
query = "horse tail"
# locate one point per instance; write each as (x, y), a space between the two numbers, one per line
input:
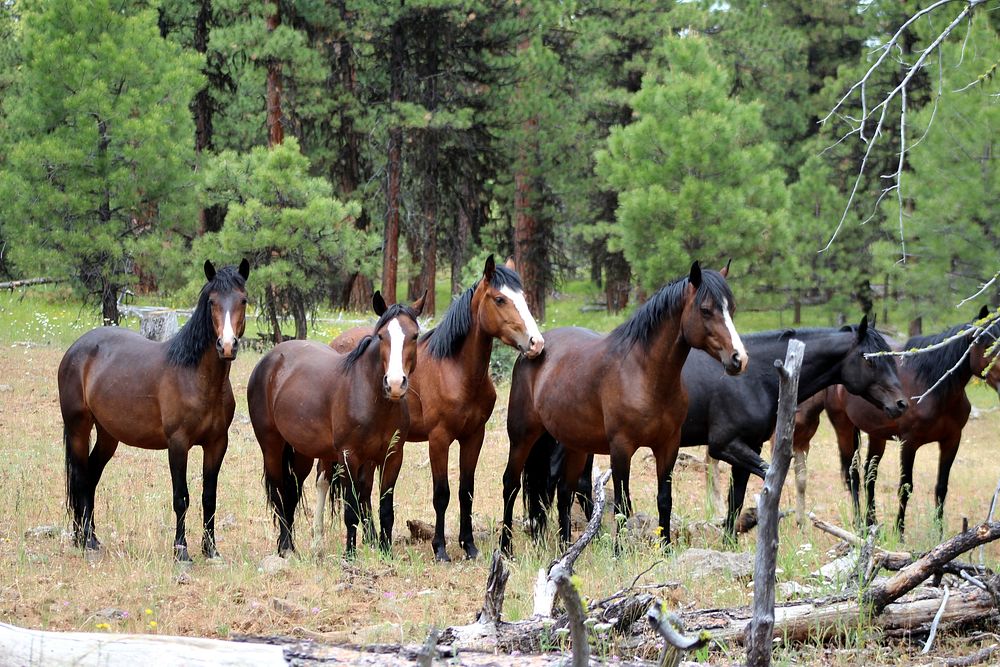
(540, 478)
(281, 491)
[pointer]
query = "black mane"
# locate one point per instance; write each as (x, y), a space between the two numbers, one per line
(667, 303)
(395, 310)
(930, 366)
(446, 338)
(190, 343)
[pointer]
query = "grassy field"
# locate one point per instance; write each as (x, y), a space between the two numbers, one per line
(135, 586)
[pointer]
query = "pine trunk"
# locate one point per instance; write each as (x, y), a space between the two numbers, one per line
(390, 257)
(275, 132)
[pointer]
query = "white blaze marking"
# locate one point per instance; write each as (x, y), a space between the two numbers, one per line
(517, 298)
(737, 343)
(394, 376)
(228, 335)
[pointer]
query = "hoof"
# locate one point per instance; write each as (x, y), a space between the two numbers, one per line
(471, 552)
(93, 544)
(441, 555)
(181, 554)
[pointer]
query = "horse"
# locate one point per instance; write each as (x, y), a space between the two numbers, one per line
(306, 401)
(956, 355)
(734, 416)
(171, 395)
(616, 393)
(452, 394)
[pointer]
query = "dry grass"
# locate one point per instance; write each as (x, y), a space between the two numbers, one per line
(47, 584)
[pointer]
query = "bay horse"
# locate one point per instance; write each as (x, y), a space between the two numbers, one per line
(613, 394)
(452, 395)
(171, 395)
(940, 416)
(735, 416)
(308, 402)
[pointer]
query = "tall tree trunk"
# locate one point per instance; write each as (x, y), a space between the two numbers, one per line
(467, 208)
(428, 265)
(358, 288)
(390, 257)
(617, 277)
(109, 288)
(275, 132)
(210, 219)
(271, 308)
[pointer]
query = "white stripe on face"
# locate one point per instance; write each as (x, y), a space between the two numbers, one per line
(737, 342)
(228, 335)
(517, 298)
(394, 376)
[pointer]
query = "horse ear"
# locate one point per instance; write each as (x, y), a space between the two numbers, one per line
(510, 263)
(490, 269)
(695, 277)
(983, 312)
(209, 270)
(378, 303)
(863, 327)
(244, 268)
(418, 305)
(725, 270)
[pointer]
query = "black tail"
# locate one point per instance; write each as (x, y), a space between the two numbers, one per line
(540, 478)
(280, 494)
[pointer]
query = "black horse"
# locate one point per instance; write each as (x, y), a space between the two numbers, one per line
(735, 415)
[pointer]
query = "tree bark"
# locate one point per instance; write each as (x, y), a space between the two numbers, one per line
(275, 131)
(762, 625)
(390, 257)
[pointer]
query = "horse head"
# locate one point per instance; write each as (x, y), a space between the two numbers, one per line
(227, 301)
(498, 303)
(398, 327)
(707, 318)
(984, 355)
(874, 378)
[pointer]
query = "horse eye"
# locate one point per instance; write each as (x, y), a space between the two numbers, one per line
(706, 312)
(500, 300)
(243, 301)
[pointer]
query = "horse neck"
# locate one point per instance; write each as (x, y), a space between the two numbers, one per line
(212, 372)
(667, 352)
(366, 375)
(822, 361)
(476, 348)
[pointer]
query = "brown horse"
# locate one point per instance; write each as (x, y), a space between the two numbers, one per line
(172, 395)
(452, 394)
(940, 416)
(613, 394)
(308, 402)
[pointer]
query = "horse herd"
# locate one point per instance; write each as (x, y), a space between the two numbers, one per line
(350, 406)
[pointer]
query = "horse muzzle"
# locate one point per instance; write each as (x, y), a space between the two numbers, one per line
(735, 364)
(896, 410)
(227, 351)
(534, 347)
(394, 389)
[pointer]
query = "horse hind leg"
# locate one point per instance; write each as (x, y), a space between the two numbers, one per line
(948, 450)
(104, 448)
(324, 475)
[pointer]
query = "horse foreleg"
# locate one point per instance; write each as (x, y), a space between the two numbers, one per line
(352, 510)
(365, 483)
(621, 468)
(177, 454)
(387, 486)
(521, 444)
(438, 449)
(876, 449)
(948, 449)
(738, 454)
(324, 473)
(213, 453)
(737, 495)
(469, 449)
(906, 458)
(666, 458)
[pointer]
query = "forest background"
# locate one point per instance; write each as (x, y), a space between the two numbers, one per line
(351, 145)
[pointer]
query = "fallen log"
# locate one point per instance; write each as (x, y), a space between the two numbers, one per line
(29, 282)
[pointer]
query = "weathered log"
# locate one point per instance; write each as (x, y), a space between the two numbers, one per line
(762, 625)
(29, 282)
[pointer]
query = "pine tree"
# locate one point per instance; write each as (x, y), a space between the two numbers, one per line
(102, 153)
(695, 175)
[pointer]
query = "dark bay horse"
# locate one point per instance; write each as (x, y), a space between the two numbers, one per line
(616, 393)
(452, 395)
(940, 416)
(735, 416)
(171, 395)
(308, 402)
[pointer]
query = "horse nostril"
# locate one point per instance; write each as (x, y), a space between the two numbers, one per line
(902, 404)
(385, 383)
(737, 359)
(218, 344)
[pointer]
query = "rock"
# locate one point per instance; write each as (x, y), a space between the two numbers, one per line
(5, 388)
(791, 589)
(159, 325)
(43, 531)
(642, 525)
(225, 522)
(420, 530)
(272, 564)
(701, 563)
(183, 578)
(112, 614)
(287, 607)
(838, 569)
